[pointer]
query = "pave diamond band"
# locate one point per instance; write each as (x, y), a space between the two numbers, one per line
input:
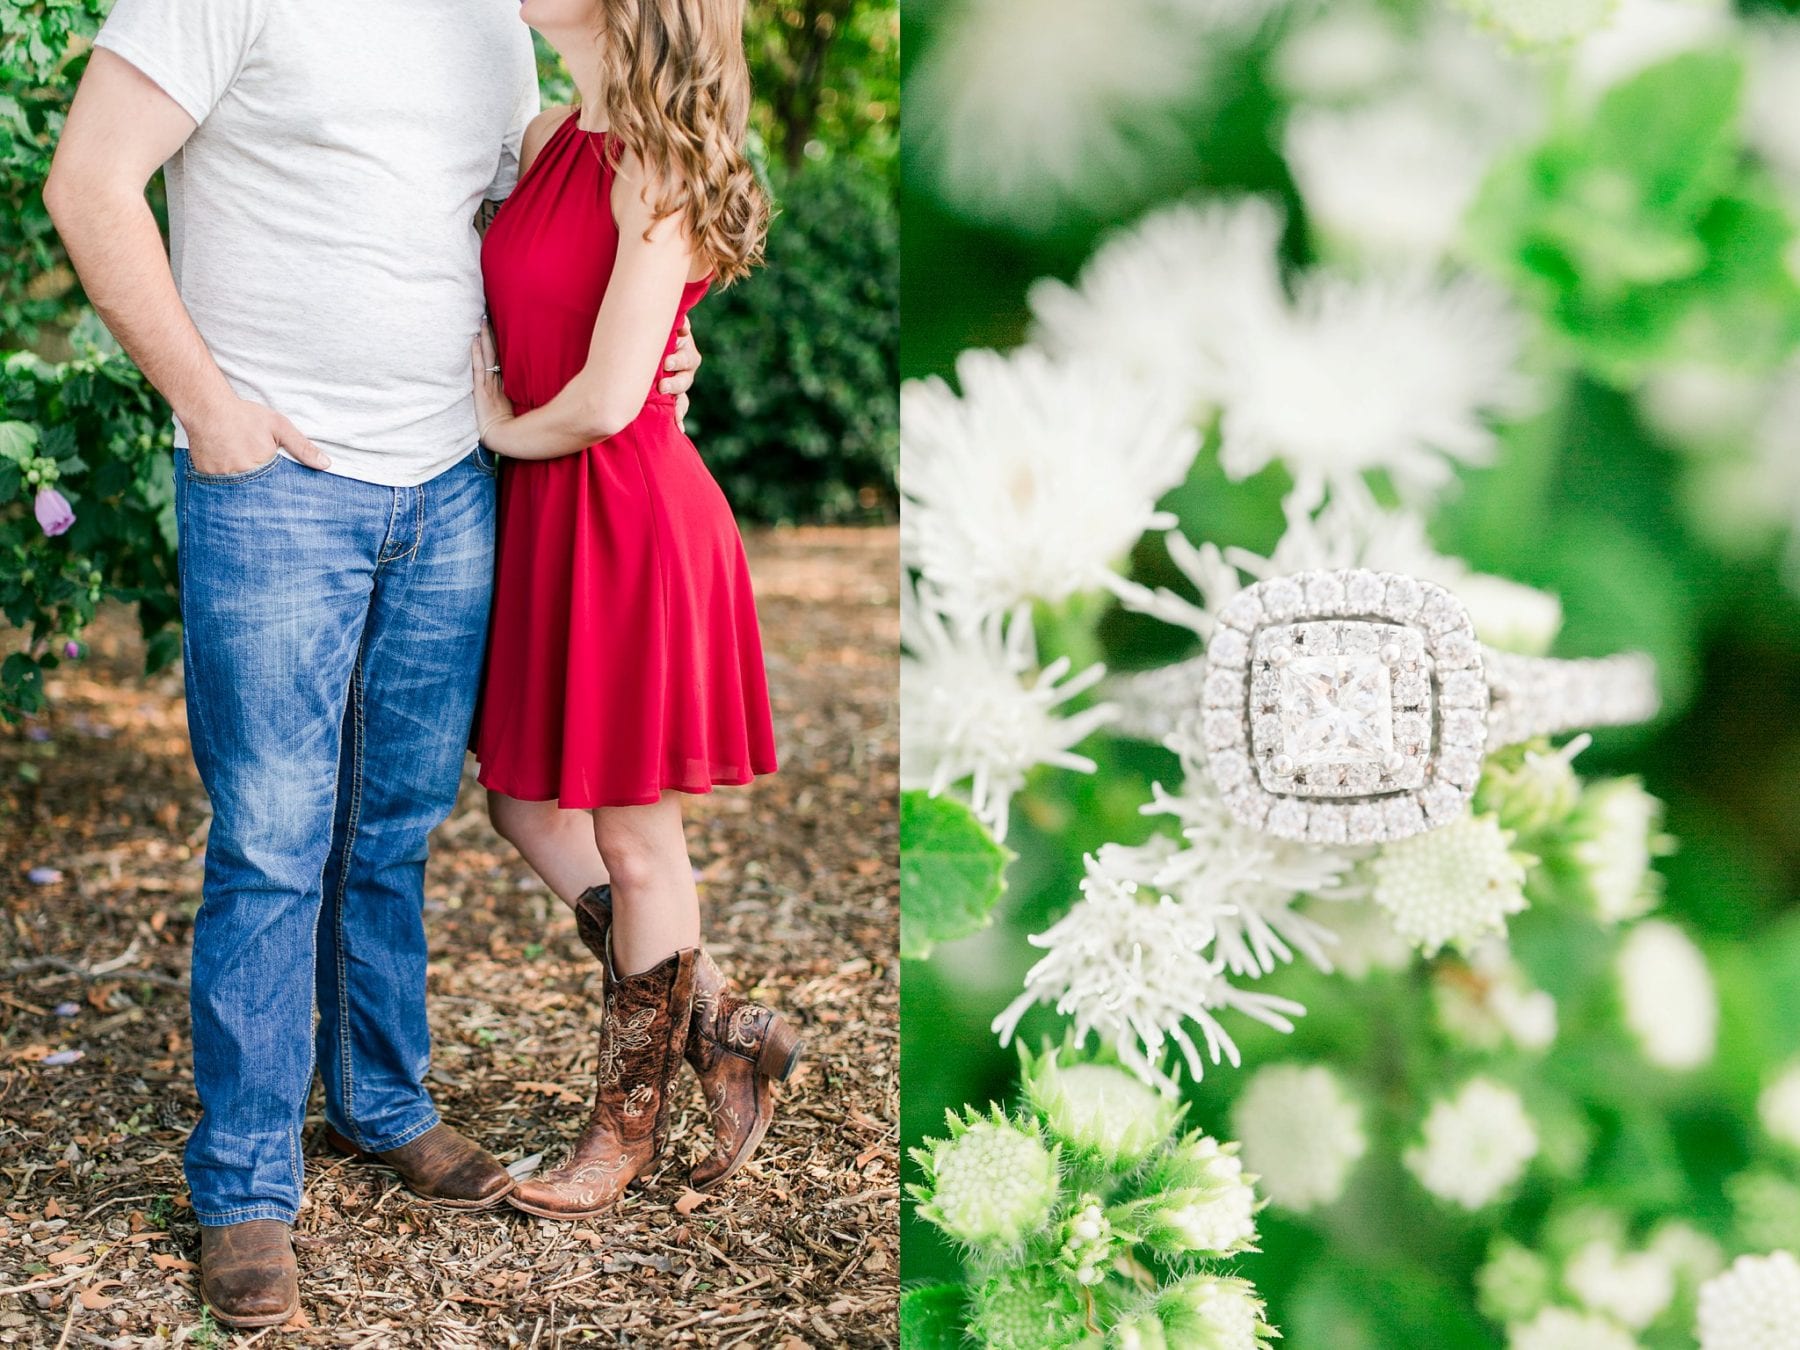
(1356, 706)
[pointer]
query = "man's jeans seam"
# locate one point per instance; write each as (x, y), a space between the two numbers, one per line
(346, 1069)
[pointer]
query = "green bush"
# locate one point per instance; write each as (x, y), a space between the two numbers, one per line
(795, 411)
(93, 430)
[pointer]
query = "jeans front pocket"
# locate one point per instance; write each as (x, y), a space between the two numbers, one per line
(256, 471)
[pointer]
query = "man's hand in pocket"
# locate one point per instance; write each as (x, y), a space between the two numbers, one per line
(240, 435)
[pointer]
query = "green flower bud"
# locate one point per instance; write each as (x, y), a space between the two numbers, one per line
(1197, 1200)
(1089, 1242)
(1101, 1113)
(1200, 1312)
(1530, 787)
(33, 477)
(991, 1184)
(1026, 1309)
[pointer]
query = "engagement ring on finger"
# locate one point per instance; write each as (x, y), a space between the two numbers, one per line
(1353, 706)
(493, 370)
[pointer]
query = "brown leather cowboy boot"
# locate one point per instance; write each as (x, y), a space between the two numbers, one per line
(247, 1273)
(441, 1166)
(737, 1048)
(641, 1041)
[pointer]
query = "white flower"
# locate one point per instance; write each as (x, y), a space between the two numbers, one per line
(1779, 1107)
(1702, 406)
(1691, 1254)
(1755, 1305)
(1643, 33)
(1668, 995)
(1348, 50)
(1132, 969)
(1489, 1001)
(1398, 373)
(1565, 1329)
(1452, 885)
(1036, 480)
(1364, 939)
(1632, 1288)
(1025, 109)
(1251, 878)
(1389, 180)
(1302, 1133)
(1772, 109)
(974, 711)
(1476, 1144)
(1614, 833)
(1541, 23)
(1166, 296)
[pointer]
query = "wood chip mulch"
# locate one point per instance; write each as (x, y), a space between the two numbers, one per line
(102, 829)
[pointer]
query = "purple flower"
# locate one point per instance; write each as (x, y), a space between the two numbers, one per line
(66, 1009)
(53, 512)
(43, 876)
(72, 650)
(62, 1057)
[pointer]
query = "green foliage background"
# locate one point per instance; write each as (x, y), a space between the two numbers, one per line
(795, 413)
(1583, 501)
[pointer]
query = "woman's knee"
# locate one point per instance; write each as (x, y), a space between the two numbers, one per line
(639, 850)
(519, 822)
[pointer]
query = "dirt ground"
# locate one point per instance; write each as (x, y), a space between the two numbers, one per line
(102, 830)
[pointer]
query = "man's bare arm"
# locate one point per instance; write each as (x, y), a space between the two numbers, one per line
(120, 130)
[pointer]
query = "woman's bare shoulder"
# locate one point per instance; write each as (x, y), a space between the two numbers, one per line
(538, 132)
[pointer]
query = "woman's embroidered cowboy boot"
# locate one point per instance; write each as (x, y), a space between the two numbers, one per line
(641, 1043)
(738, 1049)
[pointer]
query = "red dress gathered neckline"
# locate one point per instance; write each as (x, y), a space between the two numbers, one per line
(624, 657)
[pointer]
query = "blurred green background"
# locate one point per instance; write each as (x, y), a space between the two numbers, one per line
(1585, 500)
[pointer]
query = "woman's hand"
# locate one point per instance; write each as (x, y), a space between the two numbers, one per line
(492, 407)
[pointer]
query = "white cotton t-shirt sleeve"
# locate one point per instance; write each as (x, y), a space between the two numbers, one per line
(524, 76)
(191, 49)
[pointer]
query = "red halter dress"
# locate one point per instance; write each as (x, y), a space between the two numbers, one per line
(623, 653)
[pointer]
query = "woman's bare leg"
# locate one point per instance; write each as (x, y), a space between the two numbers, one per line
(656, 910)
(558, 844)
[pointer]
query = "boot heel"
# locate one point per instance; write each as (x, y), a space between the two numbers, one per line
(780, 1051)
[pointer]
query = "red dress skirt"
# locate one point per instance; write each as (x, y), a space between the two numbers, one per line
(623, 653)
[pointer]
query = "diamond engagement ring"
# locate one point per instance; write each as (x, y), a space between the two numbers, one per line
(1353, 706)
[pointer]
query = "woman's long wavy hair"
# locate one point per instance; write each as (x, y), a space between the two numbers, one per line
(678, 96)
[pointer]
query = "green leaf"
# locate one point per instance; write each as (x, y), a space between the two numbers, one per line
(18, 441)
(951, 873)
(931, 1317)
(1672, 131)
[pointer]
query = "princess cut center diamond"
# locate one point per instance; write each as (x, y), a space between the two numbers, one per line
(1336, 709)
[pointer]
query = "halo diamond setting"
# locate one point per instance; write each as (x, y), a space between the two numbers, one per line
(1344, 707)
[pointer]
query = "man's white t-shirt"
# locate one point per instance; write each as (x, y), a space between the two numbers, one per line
(321, 217)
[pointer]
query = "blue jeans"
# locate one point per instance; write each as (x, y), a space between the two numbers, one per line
(333, 632)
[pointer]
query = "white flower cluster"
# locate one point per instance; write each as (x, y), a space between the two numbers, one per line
(1755, 1305)
(1667, 992)
(1027, 112)
(1302, 1134)
(1475, 1145)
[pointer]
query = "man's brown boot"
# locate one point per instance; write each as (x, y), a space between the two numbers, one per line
(737, 1048)
(247, 1273)
(641, 1042)
(441, 1166)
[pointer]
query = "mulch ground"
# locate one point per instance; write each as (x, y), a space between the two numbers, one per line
(102, 830)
